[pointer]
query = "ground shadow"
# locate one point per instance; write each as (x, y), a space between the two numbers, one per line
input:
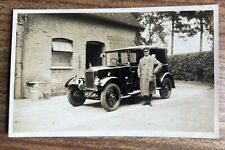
(137, 99)
(94, 103)
(132, 100)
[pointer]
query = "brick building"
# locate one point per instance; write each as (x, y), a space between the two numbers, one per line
(51, 48)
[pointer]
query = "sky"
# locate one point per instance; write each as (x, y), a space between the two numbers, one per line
(192, 44)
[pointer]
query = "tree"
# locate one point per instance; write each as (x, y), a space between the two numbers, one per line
(180, 24)
(204, 24)
(174, 17)
(154, 28)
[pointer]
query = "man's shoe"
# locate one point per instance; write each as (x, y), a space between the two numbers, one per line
(150, 104)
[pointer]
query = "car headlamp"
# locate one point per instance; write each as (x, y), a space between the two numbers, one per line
(81, 85)
(96, 81)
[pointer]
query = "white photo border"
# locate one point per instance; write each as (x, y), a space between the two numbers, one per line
(215, 134)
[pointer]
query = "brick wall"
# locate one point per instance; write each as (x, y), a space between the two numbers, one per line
(38, 30)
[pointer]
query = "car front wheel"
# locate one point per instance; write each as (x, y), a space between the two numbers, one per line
(75, 96)
(111, 97)
(166, 89)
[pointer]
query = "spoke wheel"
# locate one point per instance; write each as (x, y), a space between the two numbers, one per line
(166, 88)
(75, 96)
(111, 97)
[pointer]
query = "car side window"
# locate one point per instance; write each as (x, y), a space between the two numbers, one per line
(133, 57)
(124, 58)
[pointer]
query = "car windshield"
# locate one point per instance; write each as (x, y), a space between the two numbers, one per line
(125, 57)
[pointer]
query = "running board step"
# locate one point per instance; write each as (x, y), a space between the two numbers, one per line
(132, 93)
(135, 92)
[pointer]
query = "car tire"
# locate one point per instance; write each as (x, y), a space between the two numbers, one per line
(75, 96)
(111, 97)
(166, 88)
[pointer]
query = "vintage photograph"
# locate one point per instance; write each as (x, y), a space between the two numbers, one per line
(150, 71)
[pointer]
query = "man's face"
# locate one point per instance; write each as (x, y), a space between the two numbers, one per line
(146, 52)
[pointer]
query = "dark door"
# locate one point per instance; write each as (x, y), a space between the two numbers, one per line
(93, 53)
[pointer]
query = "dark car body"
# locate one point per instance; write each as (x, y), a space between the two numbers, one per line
(118, 78)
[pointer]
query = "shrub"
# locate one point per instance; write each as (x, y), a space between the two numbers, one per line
(193, 67)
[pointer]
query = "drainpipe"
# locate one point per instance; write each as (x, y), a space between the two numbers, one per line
(23, 55)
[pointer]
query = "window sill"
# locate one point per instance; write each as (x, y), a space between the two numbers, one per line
(61, 68)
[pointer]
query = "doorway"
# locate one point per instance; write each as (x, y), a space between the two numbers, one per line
(93, 53)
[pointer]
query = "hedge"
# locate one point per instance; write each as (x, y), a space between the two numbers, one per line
(193, 66)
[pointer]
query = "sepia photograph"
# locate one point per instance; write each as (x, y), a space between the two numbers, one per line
(148, 71)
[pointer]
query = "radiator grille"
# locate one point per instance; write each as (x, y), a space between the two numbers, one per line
(89, 77)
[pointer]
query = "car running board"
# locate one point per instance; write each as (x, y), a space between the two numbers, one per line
(135, 93)
(132, 93)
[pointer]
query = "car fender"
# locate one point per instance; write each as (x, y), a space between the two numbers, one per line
(68, 81)
(107, 80)
(79, 82)
(168, 75)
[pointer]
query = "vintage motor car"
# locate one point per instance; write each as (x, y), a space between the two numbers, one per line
(118, 78)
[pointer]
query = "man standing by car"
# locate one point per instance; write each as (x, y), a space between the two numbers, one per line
(147, 68)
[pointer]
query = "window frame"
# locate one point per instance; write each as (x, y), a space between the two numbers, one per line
(58, 49)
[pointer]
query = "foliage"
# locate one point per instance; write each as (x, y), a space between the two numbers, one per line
(193, 67)
(203, 24)
(183, 23)
(177, 26)
(154, 28)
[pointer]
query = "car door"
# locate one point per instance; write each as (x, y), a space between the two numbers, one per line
(134, 78)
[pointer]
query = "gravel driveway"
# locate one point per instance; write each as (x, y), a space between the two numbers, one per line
(189, 109)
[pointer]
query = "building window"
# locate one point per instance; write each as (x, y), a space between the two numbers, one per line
(62, 52)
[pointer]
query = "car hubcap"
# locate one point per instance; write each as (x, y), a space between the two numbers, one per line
(166, 87)
(77, 94)
(112, 97)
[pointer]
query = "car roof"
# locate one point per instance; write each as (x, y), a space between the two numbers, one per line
(135, 48)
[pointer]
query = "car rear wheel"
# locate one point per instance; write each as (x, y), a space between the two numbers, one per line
(111, 97)
(75, 96)
(166, 88)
